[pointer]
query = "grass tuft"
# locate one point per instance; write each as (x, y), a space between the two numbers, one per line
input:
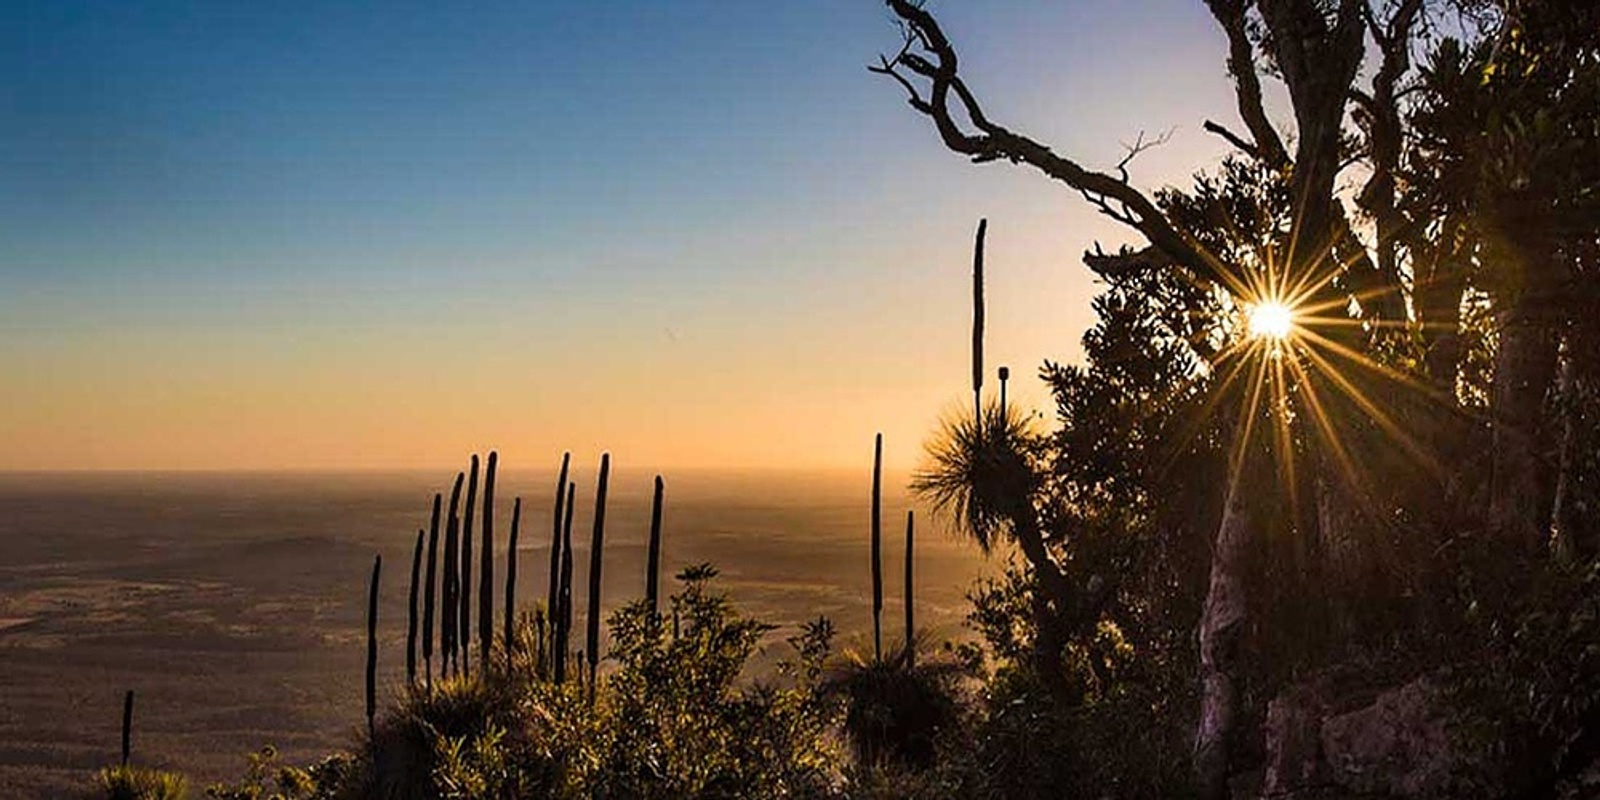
(128, 782)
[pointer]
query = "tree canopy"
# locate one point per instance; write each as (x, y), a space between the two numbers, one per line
(1395, 476)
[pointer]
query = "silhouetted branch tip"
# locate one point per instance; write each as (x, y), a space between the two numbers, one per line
(1139, 146)
(1232, 138)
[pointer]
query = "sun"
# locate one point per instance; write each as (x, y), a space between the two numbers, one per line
(1271, 320)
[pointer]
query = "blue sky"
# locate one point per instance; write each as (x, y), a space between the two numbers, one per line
(631, 210)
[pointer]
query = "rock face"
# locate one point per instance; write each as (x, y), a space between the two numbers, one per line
(1396, 745)
(1293, 732)
(1399, 745)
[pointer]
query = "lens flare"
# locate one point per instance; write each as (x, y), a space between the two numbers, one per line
(1271, 320)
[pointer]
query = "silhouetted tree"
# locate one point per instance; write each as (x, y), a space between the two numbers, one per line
(1444, 297)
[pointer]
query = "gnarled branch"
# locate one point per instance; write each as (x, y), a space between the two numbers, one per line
(1268, 146)
(929, 57)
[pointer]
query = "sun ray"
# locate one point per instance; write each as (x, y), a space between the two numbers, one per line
(1385, 422)
(1341, 301)
(1215, 396)
(1324, 423)
(1361, 360)
(1309, 281)
(1314, 281)
(1284, 438)
(1242, 442)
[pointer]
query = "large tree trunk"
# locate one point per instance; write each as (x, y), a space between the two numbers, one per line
(1523, 370)
(1340, 546)
(1221, 627)
(1440, 282)
(1060, 609)
(1563, 527)
(1049, 639)
(1336, 535)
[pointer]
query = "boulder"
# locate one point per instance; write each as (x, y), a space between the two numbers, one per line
(1396, 743)
(1399, 746)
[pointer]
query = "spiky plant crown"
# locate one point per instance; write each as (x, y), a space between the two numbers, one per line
(130, 782)
(896, 708)
(982, 474)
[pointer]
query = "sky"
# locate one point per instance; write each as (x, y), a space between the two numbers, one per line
(693, 233)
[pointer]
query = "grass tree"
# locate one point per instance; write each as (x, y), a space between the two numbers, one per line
(553, 601)
(596, 560)
(428, 594)
(511, 582)
(486, 568)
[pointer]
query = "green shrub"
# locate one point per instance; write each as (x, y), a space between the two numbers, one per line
(674, 716)
(267, 778)
(474, 766)
(1115, 724)
(677, 722)
(128, 782)
(479, 721)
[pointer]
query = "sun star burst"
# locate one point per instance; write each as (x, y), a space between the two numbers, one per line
(1271, 320)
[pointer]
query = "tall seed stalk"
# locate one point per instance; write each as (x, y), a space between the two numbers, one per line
(127, 727)
(427, 595)
(451, 633)
(977, 321)
(539, 646)
(486, 569)
(511, 580)
(1005, 375)
(452, 582)
(464, 632)
(877, 548)
(652, 577)
(564, 599)
(553, 602)
(411, 618)
(911, 625)
(372, 645)
(596, 553)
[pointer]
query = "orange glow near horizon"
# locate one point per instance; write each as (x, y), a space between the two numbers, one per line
(800, 378)
(380, 272)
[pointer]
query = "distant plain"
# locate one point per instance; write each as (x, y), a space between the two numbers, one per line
(233, 603)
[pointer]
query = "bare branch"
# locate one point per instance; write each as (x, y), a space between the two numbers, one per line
(887, 68)
(1268, 146)
(1380, 117)
(1139, 146)
(948, 99)
(1126, 262)
(1232, 138)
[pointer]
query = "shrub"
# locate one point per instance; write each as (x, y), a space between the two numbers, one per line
(267, 778)
(677, 723)
(459, 733)
(128, 782)
(897, 710)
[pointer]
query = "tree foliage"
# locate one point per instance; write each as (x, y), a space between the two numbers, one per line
(1404, 482)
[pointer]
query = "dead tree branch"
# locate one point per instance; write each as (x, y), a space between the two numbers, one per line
(1268, 146)
(928, 58)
